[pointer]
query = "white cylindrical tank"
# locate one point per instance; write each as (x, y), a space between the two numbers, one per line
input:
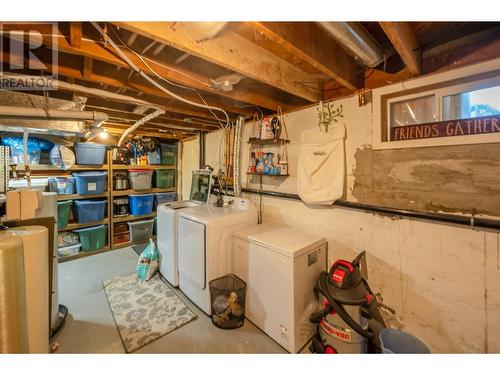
(13, 322)
(36, 271)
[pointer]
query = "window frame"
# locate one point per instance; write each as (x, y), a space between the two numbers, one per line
(470, 78)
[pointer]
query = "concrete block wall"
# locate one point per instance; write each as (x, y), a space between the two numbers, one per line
(440, 282)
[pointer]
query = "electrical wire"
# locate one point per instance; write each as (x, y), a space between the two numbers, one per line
(136, 68)
(162, 88)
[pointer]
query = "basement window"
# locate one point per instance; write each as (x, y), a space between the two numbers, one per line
(451, 108)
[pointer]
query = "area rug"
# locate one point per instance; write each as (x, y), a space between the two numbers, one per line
(144, 310)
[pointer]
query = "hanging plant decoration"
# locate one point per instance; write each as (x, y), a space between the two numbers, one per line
(328, 113)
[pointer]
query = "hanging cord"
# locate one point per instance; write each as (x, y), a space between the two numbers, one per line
(152, 81)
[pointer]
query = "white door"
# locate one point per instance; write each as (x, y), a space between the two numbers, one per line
(191, 247)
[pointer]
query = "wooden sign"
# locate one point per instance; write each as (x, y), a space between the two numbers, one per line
(454, 128)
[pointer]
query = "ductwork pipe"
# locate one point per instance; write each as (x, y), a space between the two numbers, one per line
(29, 113)
(356, 40)
(236, 156)
(61, 85)
(139, 123)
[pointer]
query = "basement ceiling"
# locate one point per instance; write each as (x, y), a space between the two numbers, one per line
(284, 65)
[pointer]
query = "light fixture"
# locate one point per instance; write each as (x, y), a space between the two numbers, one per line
(103, 134)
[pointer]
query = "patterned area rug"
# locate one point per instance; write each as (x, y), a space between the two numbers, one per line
(144, 310)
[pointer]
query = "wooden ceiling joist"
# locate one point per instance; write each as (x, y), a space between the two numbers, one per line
(234, 52)
(75, 34)
(311, 44)
(405, 40)
(177, 74)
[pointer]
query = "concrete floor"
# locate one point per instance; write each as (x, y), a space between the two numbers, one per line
(90, 327)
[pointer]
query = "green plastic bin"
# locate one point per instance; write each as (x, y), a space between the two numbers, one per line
(63, 212)
(168, 154)
(164, 178)
(92, 238)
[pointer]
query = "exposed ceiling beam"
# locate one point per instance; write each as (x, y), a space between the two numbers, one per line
(405, 40)
(311, 44)
(117, 130)
(130, 117)
(172, 73)
(158, 96)
(75, 34)
(87, 67)
(234, 52)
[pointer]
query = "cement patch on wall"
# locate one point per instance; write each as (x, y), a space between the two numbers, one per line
(450, 179)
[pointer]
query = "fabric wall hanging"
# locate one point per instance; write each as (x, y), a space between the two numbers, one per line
(321, 165)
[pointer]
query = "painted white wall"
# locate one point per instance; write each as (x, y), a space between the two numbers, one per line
(189, 161)
(442, 281)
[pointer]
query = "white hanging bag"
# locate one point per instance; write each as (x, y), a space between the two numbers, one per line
(321, 165)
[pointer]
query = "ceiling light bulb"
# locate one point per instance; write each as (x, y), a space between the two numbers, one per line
(103, 134)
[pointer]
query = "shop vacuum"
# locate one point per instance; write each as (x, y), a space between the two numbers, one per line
(350, 320)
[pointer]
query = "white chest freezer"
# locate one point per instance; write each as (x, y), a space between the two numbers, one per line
(280, 267)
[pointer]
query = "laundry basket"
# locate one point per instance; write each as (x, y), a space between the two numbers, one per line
(227, 298)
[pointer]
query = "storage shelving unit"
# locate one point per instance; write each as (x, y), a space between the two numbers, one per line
(121, 193)
(43, 170)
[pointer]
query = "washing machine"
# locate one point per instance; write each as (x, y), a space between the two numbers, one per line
(167, 216)
(204, 253)
(280, 266)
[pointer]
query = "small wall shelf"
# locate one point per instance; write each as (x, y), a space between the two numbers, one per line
(266, 142)
(268, 175)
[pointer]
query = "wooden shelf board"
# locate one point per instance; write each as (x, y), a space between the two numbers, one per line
(121, 245)
(83, 254)
(80, 167)
(268, 175)
(155, 166)
(144, 191)
(132, 217)
(265, 142)
(64, 197)
(72, 226)
(53, 168)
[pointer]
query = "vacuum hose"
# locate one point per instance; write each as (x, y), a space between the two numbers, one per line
(339, 309)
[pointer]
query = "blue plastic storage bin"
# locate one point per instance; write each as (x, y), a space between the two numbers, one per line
(90, 182)
(90, 210)
(62, 185)
(164, 197)
(90, 153)
(141, 204)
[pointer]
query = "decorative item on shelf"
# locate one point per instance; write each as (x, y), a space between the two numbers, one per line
(252, 165)
(328, 113)
(267, 128)
(260, 163)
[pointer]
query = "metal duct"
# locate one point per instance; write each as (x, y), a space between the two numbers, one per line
(140, 122)
(61, 85)
(30, 113)
(236, 156)
(357, 41)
